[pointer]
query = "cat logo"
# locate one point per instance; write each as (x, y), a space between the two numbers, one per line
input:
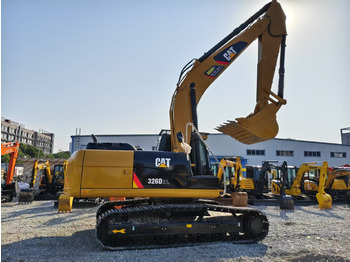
(229, 54)
(162, 162)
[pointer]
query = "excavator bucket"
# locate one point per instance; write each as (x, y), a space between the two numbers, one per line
(254, 128)
(65, 203)
(324, 200)
(286, 202)
(240, 199)
(26, 196)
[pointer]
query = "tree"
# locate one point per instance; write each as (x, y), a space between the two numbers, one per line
(30, 151)
(33, 152)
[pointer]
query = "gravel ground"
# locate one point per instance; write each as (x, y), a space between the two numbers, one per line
(37, 232)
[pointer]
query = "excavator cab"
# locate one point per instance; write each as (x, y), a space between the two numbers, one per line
(199, 157)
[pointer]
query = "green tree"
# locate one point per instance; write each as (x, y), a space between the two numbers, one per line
(33, 152)
(5, 158)
(63, 154)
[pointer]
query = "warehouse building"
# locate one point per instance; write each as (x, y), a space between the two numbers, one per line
(295, 152)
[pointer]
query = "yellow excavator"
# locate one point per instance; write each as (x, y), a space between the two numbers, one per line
(232, 169)
(166, 187)
(45, 185)
(309, 180)
(338, 183)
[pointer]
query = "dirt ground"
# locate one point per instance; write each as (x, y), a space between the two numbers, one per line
(36, 232)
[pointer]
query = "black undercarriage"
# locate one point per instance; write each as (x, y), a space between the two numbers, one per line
(142, 223)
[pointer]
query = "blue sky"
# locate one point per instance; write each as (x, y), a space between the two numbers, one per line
(111, 66)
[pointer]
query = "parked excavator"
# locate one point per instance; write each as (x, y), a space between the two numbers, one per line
(232, 169)
(166, 187)
(279, 173)
(279, 182)
(257, 181)
(338, 183)
(10, 188)
(307, 181)
(44, 184)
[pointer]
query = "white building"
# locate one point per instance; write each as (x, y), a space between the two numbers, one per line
(295, 152)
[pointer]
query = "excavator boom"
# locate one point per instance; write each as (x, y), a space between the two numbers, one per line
(10, 148)
(27, 196)
(267, 25)
(324, 200)
(9, 189)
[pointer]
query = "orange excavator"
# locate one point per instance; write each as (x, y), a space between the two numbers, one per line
(9, 189)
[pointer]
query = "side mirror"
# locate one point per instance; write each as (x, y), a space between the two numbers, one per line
(180, 137)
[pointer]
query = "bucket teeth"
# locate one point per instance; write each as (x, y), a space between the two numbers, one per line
(254, 128)
(65, 203)
(235, 130)
(26, 196)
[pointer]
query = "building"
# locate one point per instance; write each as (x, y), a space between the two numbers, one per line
(147, 142)
(295, 152)
(345, 136)
(12, 131)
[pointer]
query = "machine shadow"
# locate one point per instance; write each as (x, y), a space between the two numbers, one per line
(82, 246)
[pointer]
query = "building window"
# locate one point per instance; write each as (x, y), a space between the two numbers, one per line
(284, 153)
(338, 154)
(255, 152)
(312, 153)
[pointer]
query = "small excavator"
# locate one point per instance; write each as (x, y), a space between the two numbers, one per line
(301, 184)
(338, 183)
(232, 169)
(9, 189)
(45, 185)
(279, 182)
(167, 191)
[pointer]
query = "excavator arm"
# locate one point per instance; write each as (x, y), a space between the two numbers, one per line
(10, 148)
(37, 167)
(237, 165)
(27, 195)
(295, 188)
(324, 200)
(268, 26)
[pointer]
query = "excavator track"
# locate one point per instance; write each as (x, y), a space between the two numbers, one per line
(142, 226)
